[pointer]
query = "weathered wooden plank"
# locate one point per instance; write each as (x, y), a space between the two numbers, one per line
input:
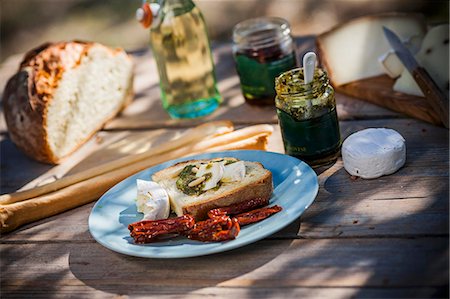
(366, 209)
(411, 202)
(279, 264)
(229, 292)
(427, 146)
(104, 147)
(389, 207)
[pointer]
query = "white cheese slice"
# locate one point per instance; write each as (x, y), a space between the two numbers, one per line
(350, 52)
(434, 57)
(392, 66)
(215, 169)
(406, 84)
(234, 172)
(152, 200)
(373, 152)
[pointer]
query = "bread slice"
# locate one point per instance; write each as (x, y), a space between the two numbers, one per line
(62, 94)
(257, 183)
(351, 50)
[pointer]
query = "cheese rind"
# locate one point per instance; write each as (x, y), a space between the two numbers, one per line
(373, 152)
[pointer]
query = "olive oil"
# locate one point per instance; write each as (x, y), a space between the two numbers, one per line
(182, 52)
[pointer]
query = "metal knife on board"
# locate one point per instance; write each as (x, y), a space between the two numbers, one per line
(438, 100)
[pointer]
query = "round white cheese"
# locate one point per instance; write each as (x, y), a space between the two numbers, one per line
(373, 152)
(152, 200)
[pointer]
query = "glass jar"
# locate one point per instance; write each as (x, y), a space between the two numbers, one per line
(263, 49)
(307, 117)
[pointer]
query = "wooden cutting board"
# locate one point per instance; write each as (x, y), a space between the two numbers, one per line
(378, 90)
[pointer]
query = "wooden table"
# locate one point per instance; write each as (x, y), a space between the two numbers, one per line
(386, 237)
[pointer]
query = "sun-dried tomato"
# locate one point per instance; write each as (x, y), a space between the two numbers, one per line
(257, 215)
(146, 231)
(238, 207)
(216, 229)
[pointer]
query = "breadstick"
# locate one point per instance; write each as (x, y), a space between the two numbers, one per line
(16, 214)
(258, 142)
(194, 135)
(240, 134)
(243, 138)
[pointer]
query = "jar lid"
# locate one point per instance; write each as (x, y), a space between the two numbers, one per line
(261, 32)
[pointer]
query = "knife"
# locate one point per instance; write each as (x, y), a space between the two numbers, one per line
(438, 100)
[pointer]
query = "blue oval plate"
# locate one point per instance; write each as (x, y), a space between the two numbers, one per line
(295, 188)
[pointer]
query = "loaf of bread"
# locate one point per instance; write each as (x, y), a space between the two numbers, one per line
(256, 182)
(62, 94)
(351, 51)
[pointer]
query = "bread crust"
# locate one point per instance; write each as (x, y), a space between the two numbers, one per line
(24, 112)
(29, 92)
(262, 188)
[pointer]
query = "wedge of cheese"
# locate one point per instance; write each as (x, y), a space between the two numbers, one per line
(433, 56)
(351, 51)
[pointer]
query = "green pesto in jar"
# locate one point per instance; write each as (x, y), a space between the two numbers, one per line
(307, 117)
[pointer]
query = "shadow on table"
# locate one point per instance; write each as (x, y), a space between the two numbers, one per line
(108, 271)
(366, 251)
(16, 168)
(413, 263)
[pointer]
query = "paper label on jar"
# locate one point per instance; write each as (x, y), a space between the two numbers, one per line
(257, 78)
(311, 137)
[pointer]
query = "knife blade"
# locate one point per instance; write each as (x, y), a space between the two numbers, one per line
(438, 100)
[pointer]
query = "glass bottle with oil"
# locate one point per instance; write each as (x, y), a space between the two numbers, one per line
(181, 48)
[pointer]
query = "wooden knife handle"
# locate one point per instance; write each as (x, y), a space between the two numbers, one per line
(438, 100)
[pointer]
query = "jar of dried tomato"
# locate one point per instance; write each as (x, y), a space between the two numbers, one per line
(263, 49)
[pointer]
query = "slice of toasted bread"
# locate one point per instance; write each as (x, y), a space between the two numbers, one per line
(257, 183)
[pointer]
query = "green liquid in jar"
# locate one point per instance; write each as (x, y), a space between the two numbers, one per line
(316, 140)
(263, 49)
(258, 77)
